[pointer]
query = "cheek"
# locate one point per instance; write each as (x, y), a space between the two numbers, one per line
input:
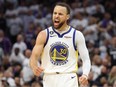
(52, 18)
(63, 19)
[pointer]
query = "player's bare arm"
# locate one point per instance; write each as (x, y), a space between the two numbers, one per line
(36, 53)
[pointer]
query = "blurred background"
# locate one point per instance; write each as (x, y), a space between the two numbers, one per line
(22, 20)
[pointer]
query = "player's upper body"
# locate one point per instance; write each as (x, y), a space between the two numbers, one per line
(57, 46)
(60, 53)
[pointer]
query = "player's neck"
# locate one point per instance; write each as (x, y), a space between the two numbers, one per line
(65, 27)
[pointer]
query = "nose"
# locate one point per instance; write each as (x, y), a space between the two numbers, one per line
(56, 15)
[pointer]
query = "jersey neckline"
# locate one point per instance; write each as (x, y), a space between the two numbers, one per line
(61, 35)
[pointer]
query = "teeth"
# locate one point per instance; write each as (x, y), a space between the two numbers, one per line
(57, 21)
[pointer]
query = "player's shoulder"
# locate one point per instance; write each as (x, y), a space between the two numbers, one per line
(77, 31)
(45, 30)
(43, 35)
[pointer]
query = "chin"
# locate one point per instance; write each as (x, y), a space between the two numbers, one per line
(56, 27)
(59, 25)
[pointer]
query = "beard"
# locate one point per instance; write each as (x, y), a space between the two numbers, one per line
(59, 25)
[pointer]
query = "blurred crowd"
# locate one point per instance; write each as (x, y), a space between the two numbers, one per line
(22, 20)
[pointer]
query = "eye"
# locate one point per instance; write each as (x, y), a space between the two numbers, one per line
(54, 13)
(60, 14)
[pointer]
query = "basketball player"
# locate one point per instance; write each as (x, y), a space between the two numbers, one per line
(58, 48)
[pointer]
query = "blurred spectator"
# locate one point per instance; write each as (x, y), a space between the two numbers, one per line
(114, 84)
(103, 51)
(16, 69)
(14, 2)
(10, 11)
(97, 66)
(1, 55)
(36, 84)
(106, 27)
(34, 8)
(40, 20)
(27, 77)
(99, 10)
(16, 56)
(20, 43)
(110, 6)
(1, 2)
(106, 85)
(90, 79)
(103, 48)
(79, 22)
(27, 19)
(91, 48)
(3, 82)
(107, 63)
(48, 18)
(3, 24)
(102, 78)
(22, 9)
(112, 75)
(103, 81)
(26, 85)
(18, 82)
(29, 35)
(112, 51)
(9, 78)
(37, 30)
(5, 62)
(5, 43)
(15, 25)
(90, 32)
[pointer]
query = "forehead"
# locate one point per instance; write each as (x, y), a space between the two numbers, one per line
(60, 9)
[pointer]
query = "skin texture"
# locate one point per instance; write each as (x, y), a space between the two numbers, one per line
(59, 19)
(36, 53)
(60, 15)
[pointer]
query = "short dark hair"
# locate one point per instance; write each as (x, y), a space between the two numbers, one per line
(64, 5)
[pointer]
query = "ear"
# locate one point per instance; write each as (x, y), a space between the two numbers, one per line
(68, 16)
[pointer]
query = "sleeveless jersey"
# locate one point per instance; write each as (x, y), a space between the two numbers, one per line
(59, 53)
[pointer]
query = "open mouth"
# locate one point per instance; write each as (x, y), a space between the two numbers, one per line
(56, 22)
